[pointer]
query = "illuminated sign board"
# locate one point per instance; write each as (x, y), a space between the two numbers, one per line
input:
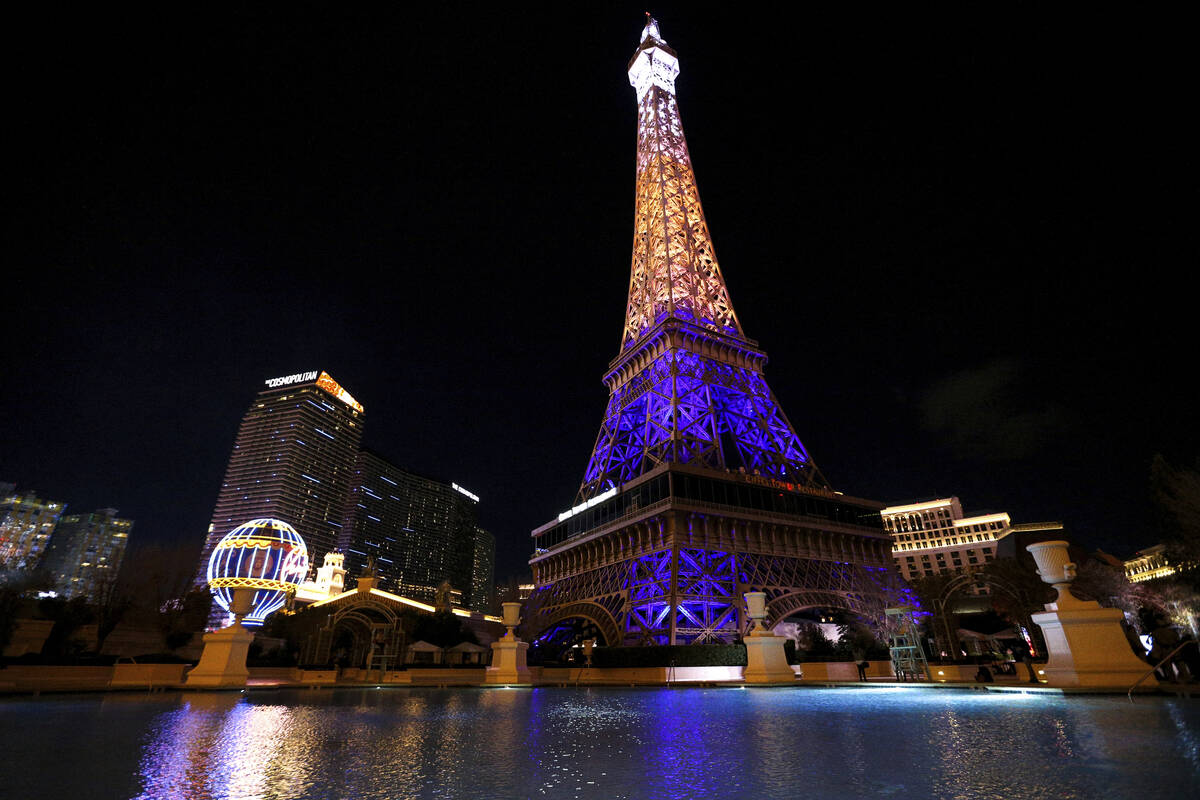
(600, 498)
(288, 380)
(322, 379)
(334, 388)
(461, 490)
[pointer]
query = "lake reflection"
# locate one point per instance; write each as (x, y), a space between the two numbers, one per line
(598, 743)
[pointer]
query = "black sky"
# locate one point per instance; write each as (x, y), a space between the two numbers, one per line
(956, 237)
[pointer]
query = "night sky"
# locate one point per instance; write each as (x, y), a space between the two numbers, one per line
(956, 238)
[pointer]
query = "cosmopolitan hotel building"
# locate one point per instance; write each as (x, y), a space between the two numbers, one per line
(418, 531)
(298, 457)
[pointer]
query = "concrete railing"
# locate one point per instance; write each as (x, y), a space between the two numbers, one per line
(43, 678)
(147, 676)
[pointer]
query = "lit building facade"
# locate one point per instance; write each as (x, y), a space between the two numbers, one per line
(293, 460)
(936, 538)
(1149, 564)
(698, 488)
(483, 571)
(418, 532)
(26, 525)
(85, 553)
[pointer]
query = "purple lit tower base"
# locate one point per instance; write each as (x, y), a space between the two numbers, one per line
(508, 654)
(766, 661)
(1086, 643)
(223, 662)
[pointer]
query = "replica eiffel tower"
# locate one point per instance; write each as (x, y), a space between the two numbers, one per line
(698, 488)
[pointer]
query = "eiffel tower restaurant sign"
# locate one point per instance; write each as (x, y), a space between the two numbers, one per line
(698, 489)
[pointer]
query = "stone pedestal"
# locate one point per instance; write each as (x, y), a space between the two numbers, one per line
(508, 662)
(223, 663)
(508, 654)
(1088, 648)
(1086, 643)
(766, 661)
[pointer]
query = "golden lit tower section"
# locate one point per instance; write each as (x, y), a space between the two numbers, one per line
(293, 460)
(674, 271)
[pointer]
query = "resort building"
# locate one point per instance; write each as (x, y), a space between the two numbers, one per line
(85, 553)
(26, 525)
(293, 460)
(414, 532)
(937, 538)
(1149, 564)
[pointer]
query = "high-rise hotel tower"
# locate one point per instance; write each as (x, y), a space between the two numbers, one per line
(293, 460)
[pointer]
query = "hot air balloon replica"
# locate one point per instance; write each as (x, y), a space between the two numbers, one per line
(266, 556)
(251, 573)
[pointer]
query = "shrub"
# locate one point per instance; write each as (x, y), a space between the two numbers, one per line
(690, 655)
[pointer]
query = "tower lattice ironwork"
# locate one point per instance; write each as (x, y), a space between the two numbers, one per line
(687, 386)
(698, 489)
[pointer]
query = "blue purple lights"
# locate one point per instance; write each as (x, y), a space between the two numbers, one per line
(689, 409)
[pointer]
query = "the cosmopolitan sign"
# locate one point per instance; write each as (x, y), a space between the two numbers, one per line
(288, 380)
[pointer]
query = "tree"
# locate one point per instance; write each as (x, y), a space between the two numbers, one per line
(69, 616)
(16, 587)
(1178, 602)
(442, 629)
(1176, 494)
(813, 643)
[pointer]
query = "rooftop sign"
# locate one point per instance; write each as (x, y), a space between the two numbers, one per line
(323, 381)
(463, 491)
(288, 380)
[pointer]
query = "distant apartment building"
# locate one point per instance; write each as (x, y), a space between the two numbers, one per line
(85, 553)
(416, 532)
(293, 460)
(26, 525)
(937, 538)
(483, 570)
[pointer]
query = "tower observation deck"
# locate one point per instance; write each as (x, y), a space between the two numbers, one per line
(698, 488)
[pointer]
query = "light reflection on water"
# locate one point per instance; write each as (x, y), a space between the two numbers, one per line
(599, 743)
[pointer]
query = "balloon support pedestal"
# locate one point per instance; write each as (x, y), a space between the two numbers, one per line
(223, 662)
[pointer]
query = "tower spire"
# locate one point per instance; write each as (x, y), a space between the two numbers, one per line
(674, 271)
(687, 384)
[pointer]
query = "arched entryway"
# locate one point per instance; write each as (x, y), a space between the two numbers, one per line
(360, 632)
(565, 631)
(944, 622)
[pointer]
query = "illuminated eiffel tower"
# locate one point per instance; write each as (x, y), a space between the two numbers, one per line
(687, 387)
(698, 488)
